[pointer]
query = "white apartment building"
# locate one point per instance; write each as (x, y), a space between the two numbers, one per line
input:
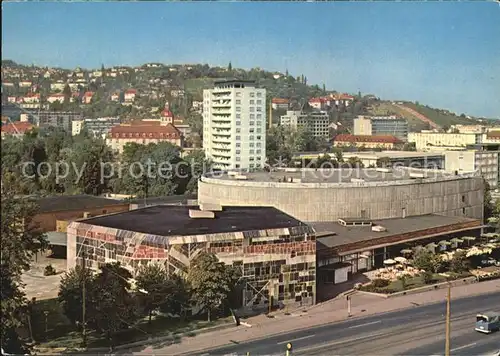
(234, 125)
(435, 141)
(316, 122)
(486, 162)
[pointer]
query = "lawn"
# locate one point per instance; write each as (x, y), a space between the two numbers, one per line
(61, 333)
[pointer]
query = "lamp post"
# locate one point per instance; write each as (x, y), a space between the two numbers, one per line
(448, 322)
(349, 306)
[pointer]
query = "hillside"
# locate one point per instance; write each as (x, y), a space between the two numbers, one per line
(420, 117)
(180, 86)
(443, 118)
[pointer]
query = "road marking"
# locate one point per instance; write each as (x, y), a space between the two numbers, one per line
(341, 342)
(299, 338)
(365, 324)
(463, 347)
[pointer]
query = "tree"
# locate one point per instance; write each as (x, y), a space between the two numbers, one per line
(91, 158)
(211, 281)
(21, 239)
(156, 289)
(198, 165)
(113, 307)
(70, 294)
(488, 201)
(383, 162)
(427, 261)
(67, 94)
(459, 263)
(229, 67)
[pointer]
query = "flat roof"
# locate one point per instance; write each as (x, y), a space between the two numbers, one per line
(343, 235)
(234, 81)
(171, 199)
(174, 220)
(333, 175)
(57, 238)
(73, 202)
(392, 154)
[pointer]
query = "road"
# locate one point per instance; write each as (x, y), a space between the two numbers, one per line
(416, 331)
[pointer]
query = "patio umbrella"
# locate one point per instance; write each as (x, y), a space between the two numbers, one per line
(444, 242)
(400, 259)
(489, 245)
(389, 262)
(456, 240)
(406, 251)
(469, 238)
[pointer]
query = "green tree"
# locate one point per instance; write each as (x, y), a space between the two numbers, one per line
(230, 67)
(113, 306)
(67, 94)
(427, 261)
(21, 239)
(211, 282)
(489, 207)
(383, 162)
(70, 294)
(459, 263)
(198, 164)
(91, 162)
(156, 289)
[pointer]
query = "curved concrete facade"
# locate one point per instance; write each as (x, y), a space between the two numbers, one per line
(437, 193)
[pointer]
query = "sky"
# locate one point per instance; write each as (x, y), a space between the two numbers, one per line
(442, 54)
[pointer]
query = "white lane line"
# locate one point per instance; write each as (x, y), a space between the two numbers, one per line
(463, 347)
(299, 338)
(320, 346)
(370, 323)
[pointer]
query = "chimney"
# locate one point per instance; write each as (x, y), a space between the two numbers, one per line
(210, 207)
(200, 214)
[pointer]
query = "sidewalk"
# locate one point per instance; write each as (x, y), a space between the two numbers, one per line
(325, 313)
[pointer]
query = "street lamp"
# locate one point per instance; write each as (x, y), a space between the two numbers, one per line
(448, 322)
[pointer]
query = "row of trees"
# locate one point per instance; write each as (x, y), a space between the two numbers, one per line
(20, 241)
(115, 302)
(51, 161)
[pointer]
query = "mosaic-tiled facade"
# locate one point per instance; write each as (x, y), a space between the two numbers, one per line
(276, 262)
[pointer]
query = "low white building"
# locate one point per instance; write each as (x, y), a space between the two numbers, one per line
(433, 141)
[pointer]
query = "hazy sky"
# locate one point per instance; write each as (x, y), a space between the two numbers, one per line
(443, 54)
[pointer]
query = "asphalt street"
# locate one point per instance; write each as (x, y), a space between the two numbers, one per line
(415, 331)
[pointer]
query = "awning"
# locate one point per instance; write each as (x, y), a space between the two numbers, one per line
(400, 259)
